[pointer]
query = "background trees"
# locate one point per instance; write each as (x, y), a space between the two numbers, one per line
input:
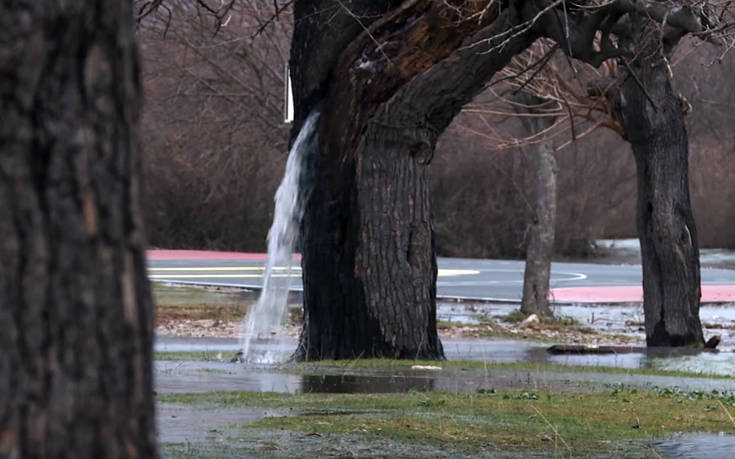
(374, 65)
(215, 141)
(480, 191)
(75, 308)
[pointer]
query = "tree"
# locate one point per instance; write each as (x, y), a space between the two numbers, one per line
(540, 247)
(652, 117)
(368, 250)
(75, 305)
(384, 97)
(213, 128)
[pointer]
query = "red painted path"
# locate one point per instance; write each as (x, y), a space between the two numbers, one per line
(632, 294)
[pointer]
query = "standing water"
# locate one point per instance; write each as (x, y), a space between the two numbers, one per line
(267, 319)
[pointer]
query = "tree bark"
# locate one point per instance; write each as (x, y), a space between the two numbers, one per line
(75, 305)
(653, 122)
(540, 247)
(368, 251)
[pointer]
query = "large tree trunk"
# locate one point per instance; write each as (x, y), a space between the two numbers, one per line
(368, 251)
(653, 122)
(537, 272)
(75, 305)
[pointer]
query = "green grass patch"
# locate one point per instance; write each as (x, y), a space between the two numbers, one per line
(203, 356)
(192, 303)
(507, 420)
(178, 296)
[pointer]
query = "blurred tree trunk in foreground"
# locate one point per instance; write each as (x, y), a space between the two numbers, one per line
(75, 306)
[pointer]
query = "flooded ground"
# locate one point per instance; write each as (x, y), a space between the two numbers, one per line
(214, 431)
(628, 251)
(720, 363)
(621, 319)
(220, 374)
(697, 445)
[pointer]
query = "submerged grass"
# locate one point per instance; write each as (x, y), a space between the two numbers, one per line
(197, 356)
(325, 366)
(482, 365)
(510, 420)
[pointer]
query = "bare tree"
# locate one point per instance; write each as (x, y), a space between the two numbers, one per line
(213, 127)
(643, 108)
(540, 247)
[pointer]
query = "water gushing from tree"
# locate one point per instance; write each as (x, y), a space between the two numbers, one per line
(268, 317)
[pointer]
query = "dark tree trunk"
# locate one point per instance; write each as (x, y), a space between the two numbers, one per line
(653, 122)
(540, 247)
(368, 251)
(75, 306)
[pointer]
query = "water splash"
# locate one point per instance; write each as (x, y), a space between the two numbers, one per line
(266, 320)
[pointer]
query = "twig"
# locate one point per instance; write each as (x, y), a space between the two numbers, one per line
(726, 412)
(542, 63)
(274, 17)
(379, 47)
(556, 432)
(639, 82)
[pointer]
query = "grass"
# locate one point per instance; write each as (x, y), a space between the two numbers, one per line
(478, 422)
(327, 365)
(192, 303)
(170, 296)
(203, 356)
(481, 365)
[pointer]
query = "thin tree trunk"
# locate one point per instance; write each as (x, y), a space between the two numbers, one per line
(75, 306)
(653, 122)
(540, 247)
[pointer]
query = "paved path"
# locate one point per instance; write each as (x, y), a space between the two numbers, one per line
(470, 279)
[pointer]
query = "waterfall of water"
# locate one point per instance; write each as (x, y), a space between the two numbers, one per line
(267, 318)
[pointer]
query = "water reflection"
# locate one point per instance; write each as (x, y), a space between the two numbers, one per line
(364, 384)
(669, 359)
(697, 445)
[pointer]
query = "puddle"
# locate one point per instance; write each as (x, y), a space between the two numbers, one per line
(180, 423)
(487, 350)
(710, 363)
(192, 377)
(364, 384)
(697, 445)
(688, 360)
(284, 443)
